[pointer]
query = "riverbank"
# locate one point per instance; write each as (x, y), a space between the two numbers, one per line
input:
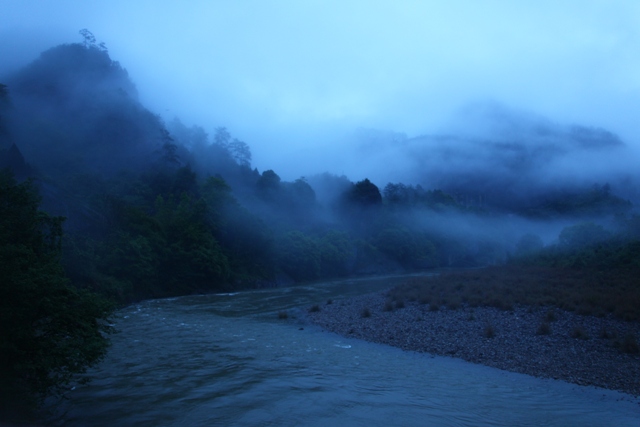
(540, 341)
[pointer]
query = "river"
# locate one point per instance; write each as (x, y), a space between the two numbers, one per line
(227, 360)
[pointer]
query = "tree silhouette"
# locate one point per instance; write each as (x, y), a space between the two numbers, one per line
(88, 39)
(240, 152)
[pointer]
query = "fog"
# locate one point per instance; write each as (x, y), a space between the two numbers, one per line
(298, 81)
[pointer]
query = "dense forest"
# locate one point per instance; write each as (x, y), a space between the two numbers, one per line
(140, 208)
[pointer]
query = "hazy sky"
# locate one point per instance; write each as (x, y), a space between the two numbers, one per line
(282, 75)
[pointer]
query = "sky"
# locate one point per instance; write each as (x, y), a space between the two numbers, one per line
(294, 77)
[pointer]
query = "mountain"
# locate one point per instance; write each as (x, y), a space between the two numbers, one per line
(501, 159)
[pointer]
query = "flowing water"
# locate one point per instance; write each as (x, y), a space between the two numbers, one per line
(228, 360)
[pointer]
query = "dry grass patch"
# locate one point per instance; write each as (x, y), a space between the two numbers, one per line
(585, 292)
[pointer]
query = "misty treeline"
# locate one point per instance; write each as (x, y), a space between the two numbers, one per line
(153, 209)
(157, 209)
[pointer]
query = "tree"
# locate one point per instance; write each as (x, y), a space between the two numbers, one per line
(222, 137)
(268, 184)
(4, 102)
(409, 248)
(240, 152)
(4, 93)
(50, 331)
(303, 191)
(529, 244)
(336, 254)
(299, 256)
(88, 39)
(581, 235)
(365, 193)
(169, 148)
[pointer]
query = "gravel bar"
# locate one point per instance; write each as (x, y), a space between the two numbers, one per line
(577, 349)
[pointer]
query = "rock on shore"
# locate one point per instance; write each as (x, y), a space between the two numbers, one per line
(579, 349)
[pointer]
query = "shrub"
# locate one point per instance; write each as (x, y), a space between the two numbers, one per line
(366, 312)
(454, 304)
(329, 301)
(388, 306)
(434, 307)
(489, 331)
(314, 308)
(283, 315)
(629, 344)
(605, 334)
(544, 329)
(550, 316)
(400, 304)
(579, 333)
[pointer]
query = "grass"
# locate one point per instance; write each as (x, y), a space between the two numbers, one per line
(595, 293)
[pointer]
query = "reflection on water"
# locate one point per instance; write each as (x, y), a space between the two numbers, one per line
(228, 360)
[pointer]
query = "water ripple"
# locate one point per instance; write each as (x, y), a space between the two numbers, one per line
(226, 360)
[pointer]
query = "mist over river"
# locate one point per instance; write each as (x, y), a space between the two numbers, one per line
(228, 360)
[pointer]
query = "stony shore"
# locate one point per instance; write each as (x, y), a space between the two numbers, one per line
(578, 349)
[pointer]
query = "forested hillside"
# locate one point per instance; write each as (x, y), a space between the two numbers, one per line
(156, 209)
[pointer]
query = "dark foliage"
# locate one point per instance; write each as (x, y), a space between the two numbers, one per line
(50, 331)
(364, 194)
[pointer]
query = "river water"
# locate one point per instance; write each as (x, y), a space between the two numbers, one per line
(228, 360)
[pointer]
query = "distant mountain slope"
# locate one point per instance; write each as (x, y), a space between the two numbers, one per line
(513, 162)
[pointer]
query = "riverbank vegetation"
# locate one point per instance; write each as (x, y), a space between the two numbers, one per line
(50, 330)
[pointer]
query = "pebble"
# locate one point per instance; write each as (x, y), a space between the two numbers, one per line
(515, 345)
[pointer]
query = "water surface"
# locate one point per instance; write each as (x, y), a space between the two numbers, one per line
(227, 360)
